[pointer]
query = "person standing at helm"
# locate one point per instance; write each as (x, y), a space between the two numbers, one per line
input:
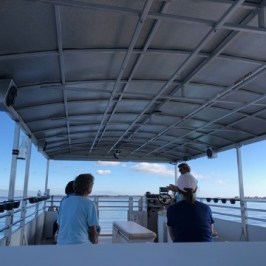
(189, 220)
(184, 169)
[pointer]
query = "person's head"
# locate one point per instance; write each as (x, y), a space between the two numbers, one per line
(183, 168)
(69, 189)
(187, 186)
(83, 184)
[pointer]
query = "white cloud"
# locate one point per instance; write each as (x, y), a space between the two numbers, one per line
(107, 163)
(199, 176)
(103, 172)
(153, 168)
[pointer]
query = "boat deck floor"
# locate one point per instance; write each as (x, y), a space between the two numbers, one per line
(105, 239)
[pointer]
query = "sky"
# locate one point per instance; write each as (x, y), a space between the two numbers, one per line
(216, 177)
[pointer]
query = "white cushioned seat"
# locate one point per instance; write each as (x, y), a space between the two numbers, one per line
(132, 231)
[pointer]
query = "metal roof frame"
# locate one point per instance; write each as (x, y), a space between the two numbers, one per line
(155, 81)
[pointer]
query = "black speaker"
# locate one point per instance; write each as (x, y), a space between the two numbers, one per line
(210, 153)
(8, 94)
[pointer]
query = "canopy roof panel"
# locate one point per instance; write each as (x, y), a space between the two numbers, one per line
(157, 81)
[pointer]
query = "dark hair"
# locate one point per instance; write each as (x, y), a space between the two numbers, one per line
(184, 166)
(83, 184)
(69, 187)
(189, 195)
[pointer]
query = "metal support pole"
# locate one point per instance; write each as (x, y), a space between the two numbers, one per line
(243, 205)
(130, 208)
(96, 202)
(37, 235)
(12, 182)
(46, 182)
(46, 177)
(23, 239)
(261, 18)
(175, 174)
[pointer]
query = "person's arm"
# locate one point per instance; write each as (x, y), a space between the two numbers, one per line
(93, 235)
(170, 229)
(214, 233)
(172, 187)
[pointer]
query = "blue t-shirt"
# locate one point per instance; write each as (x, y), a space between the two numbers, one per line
(190, 222)
(76, 214)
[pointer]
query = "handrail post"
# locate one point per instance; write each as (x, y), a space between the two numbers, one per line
(96, 202)
(23, 239)
(12, 181)
(36, 221)
(46, 181)
(52, 201)
(243, 204)
(130, 208)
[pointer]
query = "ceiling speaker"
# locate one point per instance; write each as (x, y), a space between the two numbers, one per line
(8, 94)
(210, 153)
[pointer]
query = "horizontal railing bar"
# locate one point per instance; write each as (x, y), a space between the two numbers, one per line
(18, 221)
(257, 219)
(258, 210)
(226, 214)
(225, 207)
(4, 215)
(3, 229)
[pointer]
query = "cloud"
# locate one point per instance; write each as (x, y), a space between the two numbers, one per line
(103, 172)
(199, 176)
(153, 168)
(107, 163)
(220, 181)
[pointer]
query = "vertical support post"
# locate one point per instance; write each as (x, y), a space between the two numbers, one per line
(130, 208)
(52, 202)
(46, 176)
(12, 182)
(25, 194)
(261, 18)
(36, 240)
(140, 203)
(175, 173)
(46, 181)
(96, 202)
(243, 205)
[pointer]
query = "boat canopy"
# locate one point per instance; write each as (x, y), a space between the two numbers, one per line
(154, 81)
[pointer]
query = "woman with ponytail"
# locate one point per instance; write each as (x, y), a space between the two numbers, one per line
(189, 220)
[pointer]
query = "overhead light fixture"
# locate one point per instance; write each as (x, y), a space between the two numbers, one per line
(8, 94)
(116, 154)
(210, 153)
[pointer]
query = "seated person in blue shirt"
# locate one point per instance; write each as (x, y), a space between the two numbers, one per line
(189, 220)
(78, 216)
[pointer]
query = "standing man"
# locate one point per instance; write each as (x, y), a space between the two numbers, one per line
(184, 169)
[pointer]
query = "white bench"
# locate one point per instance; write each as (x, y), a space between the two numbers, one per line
(131, 232)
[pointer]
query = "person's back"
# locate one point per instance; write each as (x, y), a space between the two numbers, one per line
(77, 213)
(190, 222)
(77, 219)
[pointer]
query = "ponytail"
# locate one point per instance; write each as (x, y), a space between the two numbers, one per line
(189, 195)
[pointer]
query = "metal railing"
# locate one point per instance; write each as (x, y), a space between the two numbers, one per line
(118, 208)
(230, 210)
(109, 208)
